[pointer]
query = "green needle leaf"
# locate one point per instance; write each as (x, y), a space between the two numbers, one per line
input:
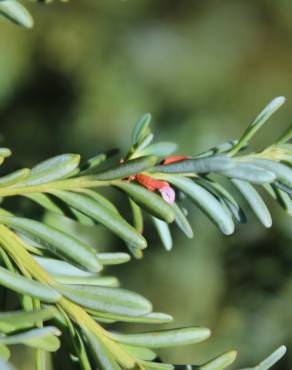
(110, 300)
(255, 201)
(199, 165)
(164, 233)
(16, 12)
(148, 200)
(251, 172)
(163, 149)
(43, 338)
(268, 362)
(20, 284)
(113, 258)
(102, 356)
(15, 320)
(220, 362)
(205, 201)
(166, 338)
(141, 129)
(141, 353)
(57, 241)
(59, 167)
(127, 169)
(14, 177)
(182, 222)
(283, 172)
(257, 123)
(109, 218)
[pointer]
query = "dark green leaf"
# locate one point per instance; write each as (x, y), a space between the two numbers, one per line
(141, 128)
(150, 201)
(126, 169)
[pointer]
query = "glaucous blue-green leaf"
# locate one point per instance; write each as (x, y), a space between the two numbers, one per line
(141, 353)
(166, 338)
(59, 167)
(250, 172)
(220, 362)
(150, 318)
(182, 222)
(162, 149)
(110, 300)
(205, 201)
(15, 320)
(58, 242)
(163, 232)
(41, 338)
(197, 165)
(255, 201)
(113, 258)
(16, 12)
(282, 172)
(104, 215)
(23, 285)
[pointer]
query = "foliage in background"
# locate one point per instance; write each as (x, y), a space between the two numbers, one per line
(51, 67)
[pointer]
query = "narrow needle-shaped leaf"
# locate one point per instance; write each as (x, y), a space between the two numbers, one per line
(42, 338)
(282, 172)
(206, 201)
(112, 220)
(127, 169)
(57, 241)
(251, 172)
(220, 362)
(20, 284)
(59, 167)
(111, 300)
(182, 222)
(150, 201)
(163, 232)
(163, 149)
(14, 177)
(255, 201)
(257, 123)
(166, 338)
(16, 12)
(141, 128)
(199, 165)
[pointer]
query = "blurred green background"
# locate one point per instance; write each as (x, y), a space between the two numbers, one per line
(81, 78)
